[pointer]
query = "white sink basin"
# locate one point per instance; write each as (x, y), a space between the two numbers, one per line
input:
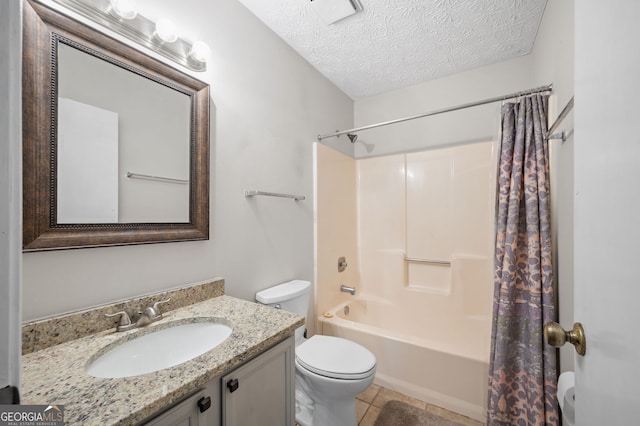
(159, 350)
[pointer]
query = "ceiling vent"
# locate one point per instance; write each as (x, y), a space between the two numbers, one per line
(332, 11)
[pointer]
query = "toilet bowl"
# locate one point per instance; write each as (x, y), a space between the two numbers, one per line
(330, 371)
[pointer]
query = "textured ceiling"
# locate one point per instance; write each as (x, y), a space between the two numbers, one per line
(397, 43)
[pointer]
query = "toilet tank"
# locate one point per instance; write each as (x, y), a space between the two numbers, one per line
(292, 296)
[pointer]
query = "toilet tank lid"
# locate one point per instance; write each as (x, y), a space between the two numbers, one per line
(282, 292)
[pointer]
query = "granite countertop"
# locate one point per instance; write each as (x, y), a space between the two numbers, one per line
(57, 375)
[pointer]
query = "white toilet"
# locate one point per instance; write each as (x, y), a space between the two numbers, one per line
(330, 371)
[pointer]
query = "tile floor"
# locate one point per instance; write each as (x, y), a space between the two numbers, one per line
(369, 403)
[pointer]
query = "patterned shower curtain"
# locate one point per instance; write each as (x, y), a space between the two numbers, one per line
(522, 371)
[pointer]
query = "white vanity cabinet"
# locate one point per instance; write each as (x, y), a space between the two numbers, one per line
(200, 409)
(262, 391)
(258, 393)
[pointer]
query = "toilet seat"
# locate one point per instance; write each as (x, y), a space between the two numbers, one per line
(336, 358)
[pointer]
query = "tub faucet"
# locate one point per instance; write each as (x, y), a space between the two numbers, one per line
(346, 289)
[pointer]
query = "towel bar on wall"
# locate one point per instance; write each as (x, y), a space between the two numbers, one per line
(158, 178)
(253, 192)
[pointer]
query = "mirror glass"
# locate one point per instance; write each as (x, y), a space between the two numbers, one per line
(115, 142)
(123, 144)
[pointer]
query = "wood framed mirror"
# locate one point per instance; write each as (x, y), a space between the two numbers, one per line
(115, 142)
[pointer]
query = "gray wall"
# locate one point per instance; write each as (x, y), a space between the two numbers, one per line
(267, 106)
(10, 190)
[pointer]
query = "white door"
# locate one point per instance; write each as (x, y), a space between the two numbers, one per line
(607, 211)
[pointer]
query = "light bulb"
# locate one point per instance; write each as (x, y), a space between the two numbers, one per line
(200, 51)
(124, 9)
(165, 31)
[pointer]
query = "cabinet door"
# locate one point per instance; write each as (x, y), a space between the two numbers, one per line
(190, 412)
(261, 392)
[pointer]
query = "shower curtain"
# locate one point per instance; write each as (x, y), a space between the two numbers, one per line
(522, 371)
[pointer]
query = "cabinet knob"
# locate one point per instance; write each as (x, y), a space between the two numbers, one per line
(233, 385)
(204, 403)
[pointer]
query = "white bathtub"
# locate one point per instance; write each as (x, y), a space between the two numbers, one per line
(436, 359)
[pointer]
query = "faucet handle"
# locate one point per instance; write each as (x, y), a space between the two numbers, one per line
(157, 304)
(124, 318)
(154, 311)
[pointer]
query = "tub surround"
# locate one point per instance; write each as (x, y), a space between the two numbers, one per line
(42, 334)
(57, 375)
(423, 275)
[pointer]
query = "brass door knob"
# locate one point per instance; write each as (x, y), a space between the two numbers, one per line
(556, 336)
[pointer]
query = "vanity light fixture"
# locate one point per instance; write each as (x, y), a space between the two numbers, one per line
(199, 51)
(123, 9)
(165, 31)
(121, 16)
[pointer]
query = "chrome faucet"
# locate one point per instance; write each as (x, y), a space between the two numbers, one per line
(346, 289)
(149, 315)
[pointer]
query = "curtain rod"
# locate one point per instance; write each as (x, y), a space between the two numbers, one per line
(546, 88)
